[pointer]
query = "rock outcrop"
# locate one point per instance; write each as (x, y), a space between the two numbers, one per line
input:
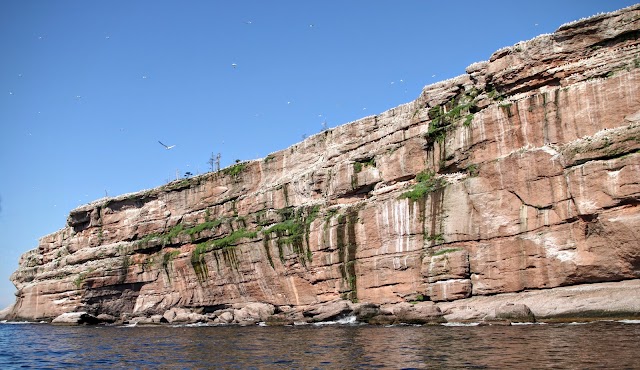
(520, 176)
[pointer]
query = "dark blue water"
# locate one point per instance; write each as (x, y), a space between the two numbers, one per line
(602, 345)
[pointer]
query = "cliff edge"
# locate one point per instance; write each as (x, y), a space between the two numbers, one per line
(495, 194)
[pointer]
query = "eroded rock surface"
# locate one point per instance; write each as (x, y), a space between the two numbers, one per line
(522, 174)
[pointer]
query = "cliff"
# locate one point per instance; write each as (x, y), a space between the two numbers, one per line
(516, 182)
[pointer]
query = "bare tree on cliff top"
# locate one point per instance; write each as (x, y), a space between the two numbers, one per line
(214, 162)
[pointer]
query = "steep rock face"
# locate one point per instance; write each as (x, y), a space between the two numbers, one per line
(522, 174)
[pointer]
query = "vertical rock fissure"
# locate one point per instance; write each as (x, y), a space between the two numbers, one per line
(437, 202)
(347, 248)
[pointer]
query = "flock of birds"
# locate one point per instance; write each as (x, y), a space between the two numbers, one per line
(234, 66)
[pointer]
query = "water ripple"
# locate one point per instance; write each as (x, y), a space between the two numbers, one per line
(604, 345)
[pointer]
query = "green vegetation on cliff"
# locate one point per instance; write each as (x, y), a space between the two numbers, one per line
(426, 183)
(293, 230)
(227, 242)
(444, 116)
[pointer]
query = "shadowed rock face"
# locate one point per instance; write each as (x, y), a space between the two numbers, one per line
(523, 173)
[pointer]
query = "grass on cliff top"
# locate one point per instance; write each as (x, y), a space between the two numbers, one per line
(181, 184)
(235, 170)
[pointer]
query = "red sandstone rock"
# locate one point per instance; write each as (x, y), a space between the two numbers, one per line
(522, 174)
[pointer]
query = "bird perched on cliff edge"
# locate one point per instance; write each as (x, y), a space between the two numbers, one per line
(167, 147)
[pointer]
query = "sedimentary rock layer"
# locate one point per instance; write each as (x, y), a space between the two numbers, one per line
(522, 174)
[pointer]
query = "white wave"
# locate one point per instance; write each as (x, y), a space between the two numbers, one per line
(629, 321)
(324, 323)
(20, 322)
(192, 325)
(523, 323)
(460, 324)
(348, 320)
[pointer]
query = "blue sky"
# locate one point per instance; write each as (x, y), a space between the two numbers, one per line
(87, 88)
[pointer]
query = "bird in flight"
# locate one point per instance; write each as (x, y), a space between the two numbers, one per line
(167, 147)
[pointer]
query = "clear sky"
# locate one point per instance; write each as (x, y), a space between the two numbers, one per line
(87, 88)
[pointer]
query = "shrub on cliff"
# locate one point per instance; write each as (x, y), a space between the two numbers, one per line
(426, 183)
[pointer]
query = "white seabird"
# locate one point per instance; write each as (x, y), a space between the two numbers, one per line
(166, 146)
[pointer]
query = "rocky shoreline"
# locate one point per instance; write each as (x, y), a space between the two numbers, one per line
(588, 302)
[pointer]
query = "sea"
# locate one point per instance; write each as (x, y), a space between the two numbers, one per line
(338, 345)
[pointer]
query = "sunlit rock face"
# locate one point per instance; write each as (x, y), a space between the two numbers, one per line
(522, 174)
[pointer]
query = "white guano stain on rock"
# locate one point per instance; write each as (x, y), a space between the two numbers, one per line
(564, 253)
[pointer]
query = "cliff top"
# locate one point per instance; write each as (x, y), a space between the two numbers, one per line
(522, 59)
